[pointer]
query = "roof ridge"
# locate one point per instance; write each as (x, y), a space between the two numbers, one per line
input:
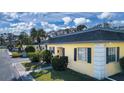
(88, 30)
(83, 31)
(97, 35)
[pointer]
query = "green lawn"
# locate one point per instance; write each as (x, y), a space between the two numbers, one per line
(68, 75)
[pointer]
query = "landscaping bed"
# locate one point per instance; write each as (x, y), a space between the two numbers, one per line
(16, 54)
(67, 75)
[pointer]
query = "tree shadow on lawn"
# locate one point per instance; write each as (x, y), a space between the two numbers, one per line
(70, 75)
(118, 77)
(67, 75)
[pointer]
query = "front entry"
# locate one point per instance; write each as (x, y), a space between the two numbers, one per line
(60, 51)
(99, 61)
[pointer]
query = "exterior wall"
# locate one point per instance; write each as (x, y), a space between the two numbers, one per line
(87, 68)
(114, 67)
(79, 66)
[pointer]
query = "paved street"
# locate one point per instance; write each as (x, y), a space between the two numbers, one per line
(7, 70)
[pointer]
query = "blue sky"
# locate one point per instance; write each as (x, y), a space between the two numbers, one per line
(17, 22)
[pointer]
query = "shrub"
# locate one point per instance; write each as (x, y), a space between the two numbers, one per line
(30, 66)
(35, 57)
(23, 54)
(55, 61)
(121, 61)
(64, 61)
(15, 54)
(30, 49)
(46, 56)
(59, 63)
(30, 54)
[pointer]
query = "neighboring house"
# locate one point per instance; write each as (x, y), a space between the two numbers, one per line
(95, 53)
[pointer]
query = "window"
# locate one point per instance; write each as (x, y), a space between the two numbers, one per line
(52, 49)
(82, 54)
(112, 54)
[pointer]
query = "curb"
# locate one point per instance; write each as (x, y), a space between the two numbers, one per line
(21, 75)
(111, 79)
(10, 54)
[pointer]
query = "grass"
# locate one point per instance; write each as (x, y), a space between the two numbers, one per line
(68, 75)
(31, 66)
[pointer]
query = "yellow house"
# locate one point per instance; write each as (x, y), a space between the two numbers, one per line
(95, 53)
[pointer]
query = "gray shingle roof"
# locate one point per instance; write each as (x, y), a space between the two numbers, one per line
(98, 35)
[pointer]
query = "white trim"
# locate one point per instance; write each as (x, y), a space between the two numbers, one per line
(99, 61)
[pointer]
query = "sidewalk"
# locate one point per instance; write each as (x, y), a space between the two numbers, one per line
(25, 75)
(44, 68)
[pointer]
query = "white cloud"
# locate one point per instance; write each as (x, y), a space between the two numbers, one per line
(10, 15)
(19, 27)
(2, 30)
(66, 20)
(81, 20)
(118, 23)
(105, 15)
(13, 15)
(48, 27)
(13, 25)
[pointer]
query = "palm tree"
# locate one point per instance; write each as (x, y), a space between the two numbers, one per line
(28, 41)
(41, 35)
(33, 34)
(38, 35)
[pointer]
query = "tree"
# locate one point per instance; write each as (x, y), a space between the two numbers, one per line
(41, 35)
(33, 34)
(81, 27)
(22, 40)
(2, 39)
(67, 30)
(106, 25)
(10, 39)
(38, 35)
(46, 56)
